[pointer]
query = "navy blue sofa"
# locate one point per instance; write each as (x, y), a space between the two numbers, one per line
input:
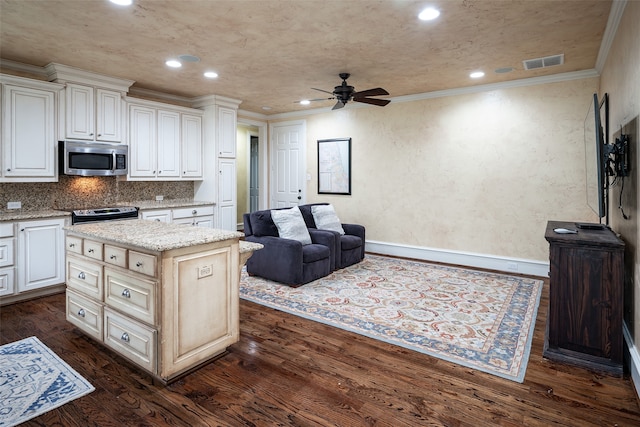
(289, 261)
(284, 260)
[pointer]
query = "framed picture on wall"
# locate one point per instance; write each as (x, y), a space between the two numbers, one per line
(334, 166)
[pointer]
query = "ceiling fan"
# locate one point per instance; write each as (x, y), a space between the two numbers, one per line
(345, 93)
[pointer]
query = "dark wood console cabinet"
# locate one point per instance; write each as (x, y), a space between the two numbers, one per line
(584, 325)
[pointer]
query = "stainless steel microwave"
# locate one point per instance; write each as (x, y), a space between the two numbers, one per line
(92, 159)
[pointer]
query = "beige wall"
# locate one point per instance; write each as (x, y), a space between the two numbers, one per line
(621, 80)
(242, 170)
(477, 173)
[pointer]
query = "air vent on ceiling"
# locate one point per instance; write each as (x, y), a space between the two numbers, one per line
(547, 61)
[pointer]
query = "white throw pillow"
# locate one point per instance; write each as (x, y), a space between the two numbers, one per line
(290, 225)
(326, 219)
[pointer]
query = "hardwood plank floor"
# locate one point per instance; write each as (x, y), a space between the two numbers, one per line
(289, 371)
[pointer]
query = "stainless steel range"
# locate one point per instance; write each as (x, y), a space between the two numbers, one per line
(103, 214)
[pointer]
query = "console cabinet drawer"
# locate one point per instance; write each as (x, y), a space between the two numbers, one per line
(85, 314)
(115, 255)
(6, 251)
(142, 263)
(85, 277)
(74, 244)
(132, 296)
(92, 250)
(192, 211)
(131, 339)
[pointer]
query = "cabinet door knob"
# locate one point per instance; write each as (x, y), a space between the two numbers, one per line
(194, 212)
(81, 275)
(126, 293)
(125, 337)
(112, 257)
(81, 312)
(138, 264)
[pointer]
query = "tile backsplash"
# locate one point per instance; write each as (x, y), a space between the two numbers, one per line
(89, 192)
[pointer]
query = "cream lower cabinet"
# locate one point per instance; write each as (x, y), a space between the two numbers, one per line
(199, 216)
(168, 312)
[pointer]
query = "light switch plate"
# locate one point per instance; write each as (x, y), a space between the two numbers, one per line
(159, 198)
(14, 205)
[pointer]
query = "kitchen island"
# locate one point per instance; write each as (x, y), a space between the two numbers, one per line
(164, 296)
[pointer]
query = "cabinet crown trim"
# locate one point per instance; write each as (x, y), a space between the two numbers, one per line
(63, 73)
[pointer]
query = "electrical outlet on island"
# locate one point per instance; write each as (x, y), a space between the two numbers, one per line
(159, 198)
(14, 205)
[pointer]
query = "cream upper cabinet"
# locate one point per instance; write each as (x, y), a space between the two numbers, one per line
(168, 144)
(165, 142)
(28, 132)
(142, 142)
(227, 129)
(191, 146)
(93, 114)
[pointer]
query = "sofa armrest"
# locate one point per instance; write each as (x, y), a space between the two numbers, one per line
(354, 230)
(328, 239)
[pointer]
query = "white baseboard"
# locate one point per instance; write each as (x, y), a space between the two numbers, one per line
(634, 359)
(491, 262)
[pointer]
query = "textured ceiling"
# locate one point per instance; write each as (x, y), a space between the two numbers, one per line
(272, 52)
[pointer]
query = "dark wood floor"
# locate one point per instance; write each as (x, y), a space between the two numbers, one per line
(288, 371)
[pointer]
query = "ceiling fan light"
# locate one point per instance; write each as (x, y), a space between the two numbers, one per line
(429, 14)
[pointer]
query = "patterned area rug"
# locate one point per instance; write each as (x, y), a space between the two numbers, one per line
(34, 380)
(481, 320)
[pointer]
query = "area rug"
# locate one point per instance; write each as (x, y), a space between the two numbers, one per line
(34, 380)
(480, 320)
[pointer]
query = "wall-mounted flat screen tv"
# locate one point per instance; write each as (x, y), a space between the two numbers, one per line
(594, 144)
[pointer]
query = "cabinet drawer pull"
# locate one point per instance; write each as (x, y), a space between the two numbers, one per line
(81, 312)
(72, 245)
(81, 275)
(138, 264)
(194, 212)
(112, 257)
(126, 293)
(125, 337)
(90, 251)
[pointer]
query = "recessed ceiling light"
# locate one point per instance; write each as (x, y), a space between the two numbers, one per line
(122, 2)
(305, 102)
(211, 75)
(266, 108)
(429, 14)
(173, 63)
(476, 74)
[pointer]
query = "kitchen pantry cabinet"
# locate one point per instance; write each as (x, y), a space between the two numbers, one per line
(28, 130)
(165, 142)
(93, 114)
(32, 262)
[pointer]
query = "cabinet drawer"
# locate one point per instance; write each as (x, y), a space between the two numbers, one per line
(92, 249)
(7, 248)
(134, 297)
(7, 281)
(142, 263)
(192, 211)
(74, 244)
(85, 277)
(6, 229)
(85, 314)
(115, 255)
(131, 339)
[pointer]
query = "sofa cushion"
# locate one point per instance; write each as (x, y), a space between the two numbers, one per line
(348, 242)
(290, 225)
(262, 224)
(313, 253)
(326, 218)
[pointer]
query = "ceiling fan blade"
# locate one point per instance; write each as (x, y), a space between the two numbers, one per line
(322, 90)
(373, 101)
(371, 92)
(338, 105)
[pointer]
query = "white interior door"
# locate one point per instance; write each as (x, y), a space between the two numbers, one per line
(288, 164)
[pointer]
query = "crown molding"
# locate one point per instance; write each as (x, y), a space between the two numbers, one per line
(615, 15)
(64, 73)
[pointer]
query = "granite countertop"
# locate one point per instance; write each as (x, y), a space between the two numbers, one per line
(22, 214)
(164, 204)
(157, 236)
